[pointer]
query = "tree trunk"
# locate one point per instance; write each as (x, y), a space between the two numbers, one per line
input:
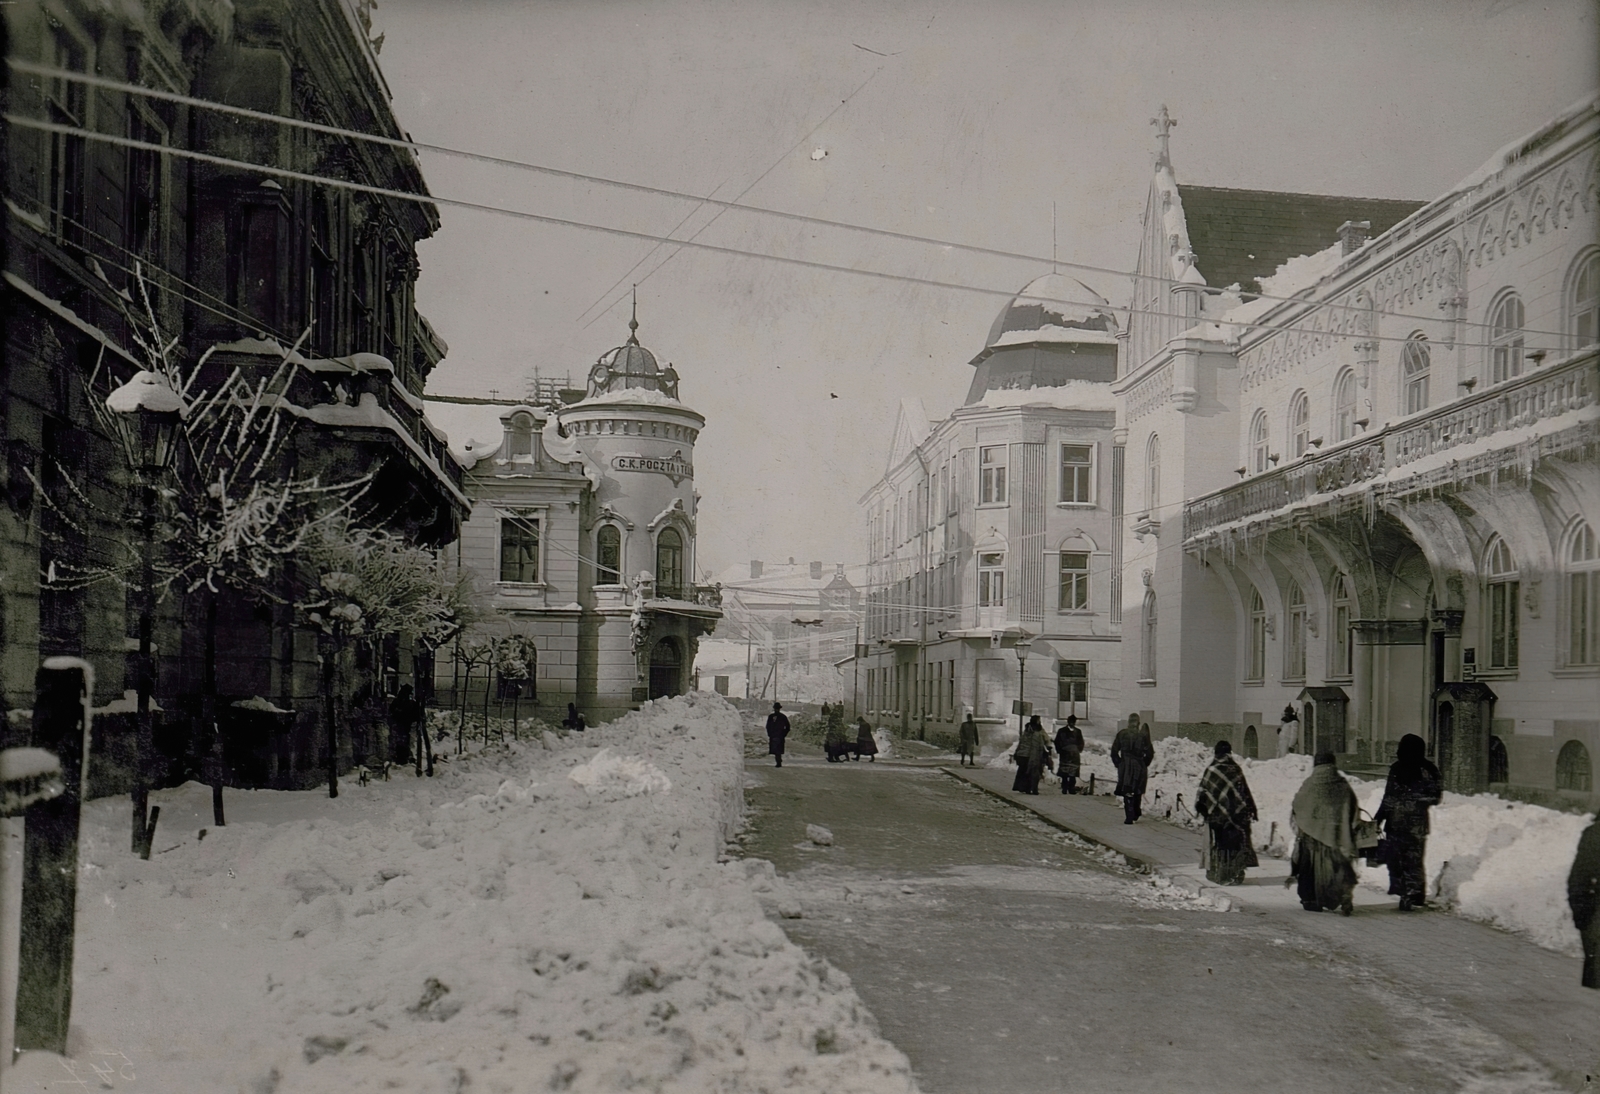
(331, 733)
(208, 709)
(516, 705)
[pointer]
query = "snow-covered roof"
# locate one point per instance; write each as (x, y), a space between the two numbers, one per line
(1054, 302)
(645, 395)
(1073, 395)
(367, 412)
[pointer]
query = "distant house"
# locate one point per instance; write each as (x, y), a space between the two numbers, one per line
(803, 617)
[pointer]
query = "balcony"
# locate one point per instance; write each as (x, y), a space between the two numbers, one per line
(1500, 428)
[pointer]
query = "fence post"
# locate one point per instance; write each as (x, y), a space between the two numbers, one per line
(63, 690)
(27, 775)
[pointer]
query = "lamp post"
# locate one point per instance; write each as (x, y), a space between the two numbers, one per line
(1024, 645)
(152, 414)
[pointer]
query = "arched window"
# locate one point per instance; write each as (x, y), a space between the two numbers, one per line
(1344, 406)
(1152, 475)
(1505, 338)
(1499, 761)
(1414, 366)
(608, 555)
(1258, 636)
(1583, 301)
(521, 437)
(1572, 768)
(1583, 598)
(1252, 743)
(1147, 650)
(1500, 605)
(1343, 639)
(669, 564)
(1300, 424)
(1258, 443)
(1294, 649)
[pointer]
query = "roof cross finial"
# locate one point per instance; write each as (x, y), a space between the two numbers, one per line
(1164, 123)
(633, 322)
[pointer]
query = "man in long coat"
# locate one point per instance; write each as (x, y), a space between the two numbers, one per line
(777, 730)
(1132, 752)
(1069, 754)
(1583, 896)
(967, 742)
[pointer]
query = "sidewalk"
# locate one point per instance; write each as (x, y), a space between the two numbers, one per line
(1528, 995)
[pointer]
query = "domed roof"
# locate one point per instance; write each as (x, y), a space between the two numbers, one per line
(630, 365)
(1054, 300)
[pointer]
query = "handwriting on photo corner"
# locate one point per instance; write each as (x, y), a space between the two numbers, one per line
(103, 1064)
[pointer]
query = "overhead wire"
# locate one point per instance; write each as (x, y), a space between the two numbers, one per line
(31, 68)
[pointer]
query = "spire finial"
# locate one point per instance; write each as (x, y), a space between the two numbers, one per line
(633, 322)
(1164, 123)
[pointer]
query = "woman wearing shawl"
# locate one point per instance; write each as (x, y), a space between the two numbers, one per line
(1412, 788)
(1069, 752)
(1583, 897)
(865, 745)
(1324, 815)
(1132, 752)
(1030, 756)
(1225, 802)
(835, 742)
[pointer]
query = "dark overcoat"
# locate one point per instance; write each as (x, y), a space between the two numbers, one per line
(1132, 752)
(777, 730)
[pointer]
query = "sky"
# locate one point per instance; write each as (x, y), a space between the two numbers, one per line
(1019, 125)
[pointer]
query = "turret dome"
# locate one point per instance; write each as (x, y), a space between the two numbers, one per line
(631, 365)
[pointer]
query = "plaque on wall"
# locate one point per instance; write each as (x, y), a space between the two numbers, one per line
(641, 694)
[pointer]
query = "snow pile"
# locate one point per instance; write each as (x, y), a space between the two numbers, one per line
(884, 740)
(627, 775)
(1073, 395)
(1500, 862)
(496, 928)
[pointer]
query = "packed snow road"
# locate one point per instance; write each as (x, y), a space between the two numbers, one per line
(1003, 955)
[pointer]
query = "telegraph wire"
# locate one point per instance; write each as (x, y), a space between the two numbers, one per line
(1243, 326)
(30, 68)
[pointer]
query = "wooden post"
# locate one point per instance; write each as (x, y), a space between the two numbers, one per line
(64, 689)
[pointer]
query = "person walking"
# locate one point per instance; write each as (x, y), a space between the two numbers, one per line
(1030, 755)
(1132, 753)
(1583, 897)
(967, 741)
(1413, 787)
(1225, 803)
(777, 730)
(866, 745)
(1069, 754)
(1288, 731)
(574, 720)
(1324, 816)
(834, 742)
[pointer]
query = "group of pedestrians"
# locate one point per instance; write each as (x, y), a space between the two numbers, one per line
(836, 742)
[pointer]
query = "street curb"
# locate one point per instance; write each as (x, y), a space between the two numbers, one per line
(1138, 859)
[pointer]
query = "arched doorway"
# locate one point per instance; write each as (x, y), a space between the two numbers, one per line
(666, 669)
(1251, 744)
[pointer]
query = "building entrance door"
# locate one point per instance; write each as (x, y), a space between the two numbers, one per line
(666, 669)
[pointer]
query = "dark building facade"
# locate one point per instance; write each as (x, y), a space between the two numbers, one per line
(234, 260)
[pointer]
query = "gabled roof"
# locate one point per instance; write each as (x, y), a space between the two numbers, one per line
(1241, 235)
(911, 428)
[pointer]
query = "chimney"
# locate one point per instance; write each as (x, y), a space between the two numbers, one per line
(791, 560)
(1353, 234)
(816, 571)
(839, 569)
(755, 568)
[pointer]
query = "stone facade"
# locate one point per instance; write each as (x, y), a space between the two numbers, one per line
(235, 261)
(1374, 495)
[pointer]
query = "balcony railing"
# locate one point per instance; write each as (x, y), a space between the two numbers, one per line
(1540, 395)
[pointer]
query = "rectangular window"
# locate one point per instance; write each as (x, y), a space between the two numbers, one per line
(992, 475)
(1072, 682)
(991, 580)
(1074, 581)
(1077, 474)
(1503, 624)
(66, 104)
(1583, 602)
(519, 549)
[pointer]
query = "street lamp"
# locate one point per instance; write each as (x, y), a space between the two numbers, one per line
(1024, 644)
(151, 413)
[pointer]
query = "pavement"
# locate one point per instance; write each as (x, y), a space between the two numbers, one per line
(1528, 995)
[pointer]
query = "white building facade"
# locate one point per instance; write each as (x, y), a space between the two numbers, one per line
(1370, 493)
(993, 533)
(583, 526)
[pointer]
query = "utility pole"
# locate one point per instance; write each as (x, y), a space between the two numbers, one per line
(855, 682)
(749, 637)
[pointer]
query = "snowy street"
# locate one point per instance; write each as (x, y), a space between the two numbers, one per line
(1003, 954)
